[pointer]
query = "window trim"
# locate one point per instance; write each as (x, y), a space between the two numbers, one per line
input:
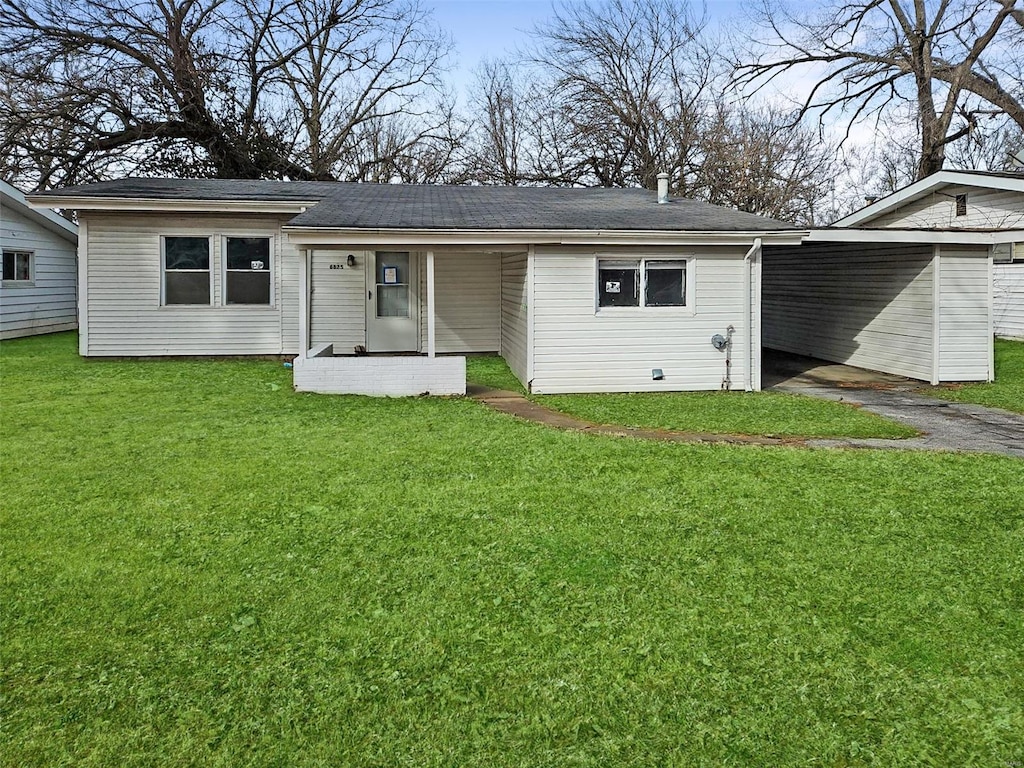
(15, 282)
(687, 308)
(164, 270)
(224, 237)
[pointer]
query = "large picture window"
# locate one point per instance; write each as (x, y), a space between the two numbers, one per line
(641, 283)
(247, 273)
(17, 267)
(186, 270)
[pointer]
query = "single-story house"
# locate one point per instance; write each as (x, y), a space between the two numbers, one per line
(971, 201)
(382, 289)
(37, 288)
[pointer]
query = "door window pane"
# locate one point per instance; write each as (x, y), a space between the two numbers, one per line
(392, 283)
(392, 301)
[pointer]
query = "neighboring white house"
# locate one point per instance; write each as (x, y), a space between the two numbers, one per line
(37, 288)
(966, 201)
(382, 289)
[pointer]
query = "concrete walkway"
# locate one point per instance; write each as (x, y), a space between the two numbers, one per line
(945, 426)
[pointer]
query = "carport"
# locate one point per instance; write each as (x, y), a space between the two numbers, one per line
(915, 303)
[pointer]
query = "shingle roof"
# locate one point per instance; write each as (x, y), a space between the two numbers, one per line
(413, 206)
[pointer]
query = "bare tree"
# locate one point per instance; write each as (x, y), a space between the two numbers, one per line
(233, 88)
(627, 76)
(954, 61)
(754, 160)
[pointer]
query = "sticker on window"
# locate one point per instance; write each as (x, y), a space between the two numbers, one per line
(612, 286)
(390, 275)
(255, 265)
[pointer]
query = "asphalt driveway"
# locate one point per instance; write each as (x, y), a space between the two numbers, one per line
(944, 425)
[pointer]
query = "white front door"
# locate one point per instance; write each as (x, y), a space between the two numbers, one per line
(392, 316)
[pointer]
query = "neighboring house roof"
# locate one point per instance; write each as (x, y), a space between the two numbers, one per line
(340, 205)
(1010, 182)
(12, 198)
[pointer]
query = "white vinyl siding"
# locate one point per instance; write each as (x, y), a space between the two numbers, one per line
(580, 349)
(467, 302)
(125, 317)
(866, 305)
(46, 303)
(964, 332)
(514, 313)
(1008, 299)
(338, 301)
(986, 209)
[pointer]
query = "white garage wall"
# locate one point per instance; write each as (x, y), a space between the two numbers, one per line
(868, 305)
(1008, 299)
(965, 337)
(580, 349)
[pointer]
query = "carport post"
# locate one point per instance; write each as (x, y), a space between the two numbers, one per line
(751, 288)
(431, 347)
(304, 303)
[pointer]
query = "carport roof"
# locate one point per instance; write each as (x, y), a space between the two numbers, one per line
(339, 205)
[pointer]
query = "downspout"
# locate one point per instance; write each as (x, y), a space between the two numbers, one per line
(748, 315)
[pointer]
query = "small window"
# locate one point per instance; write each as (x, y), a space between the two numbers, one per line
(619, 284)
(642, 283)
(17, 266)
(961, 205)
(665, 284)
(247, 274)
(186, 270)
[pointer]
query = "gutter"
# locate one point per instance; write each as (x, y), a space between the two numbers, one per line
(477, 237)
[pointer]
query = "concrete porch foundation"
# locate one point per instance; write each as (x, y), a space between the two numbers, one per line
(402, 376)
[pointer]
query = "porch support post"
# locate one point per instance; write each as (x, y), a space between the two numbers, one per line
(431, 347)
(304, 259)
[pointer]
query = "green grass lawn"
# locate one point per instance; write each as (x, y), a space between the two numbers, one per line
(201, 567)
(735, 413)
(1007, 391)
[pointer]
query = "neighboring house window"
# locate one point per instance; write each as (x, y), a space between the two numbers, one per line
(247, 272)
(641, 283)
(961, 205)
(186, 270)
(17, 266)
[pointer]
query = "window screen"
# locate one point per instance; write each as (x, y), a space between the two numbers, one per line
(17, 266)
(247, 279)
(186, 270)
(618, 284)
(665, 284)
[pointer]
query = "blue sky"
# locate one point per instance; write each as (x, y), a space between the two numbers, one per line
(490, 28)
